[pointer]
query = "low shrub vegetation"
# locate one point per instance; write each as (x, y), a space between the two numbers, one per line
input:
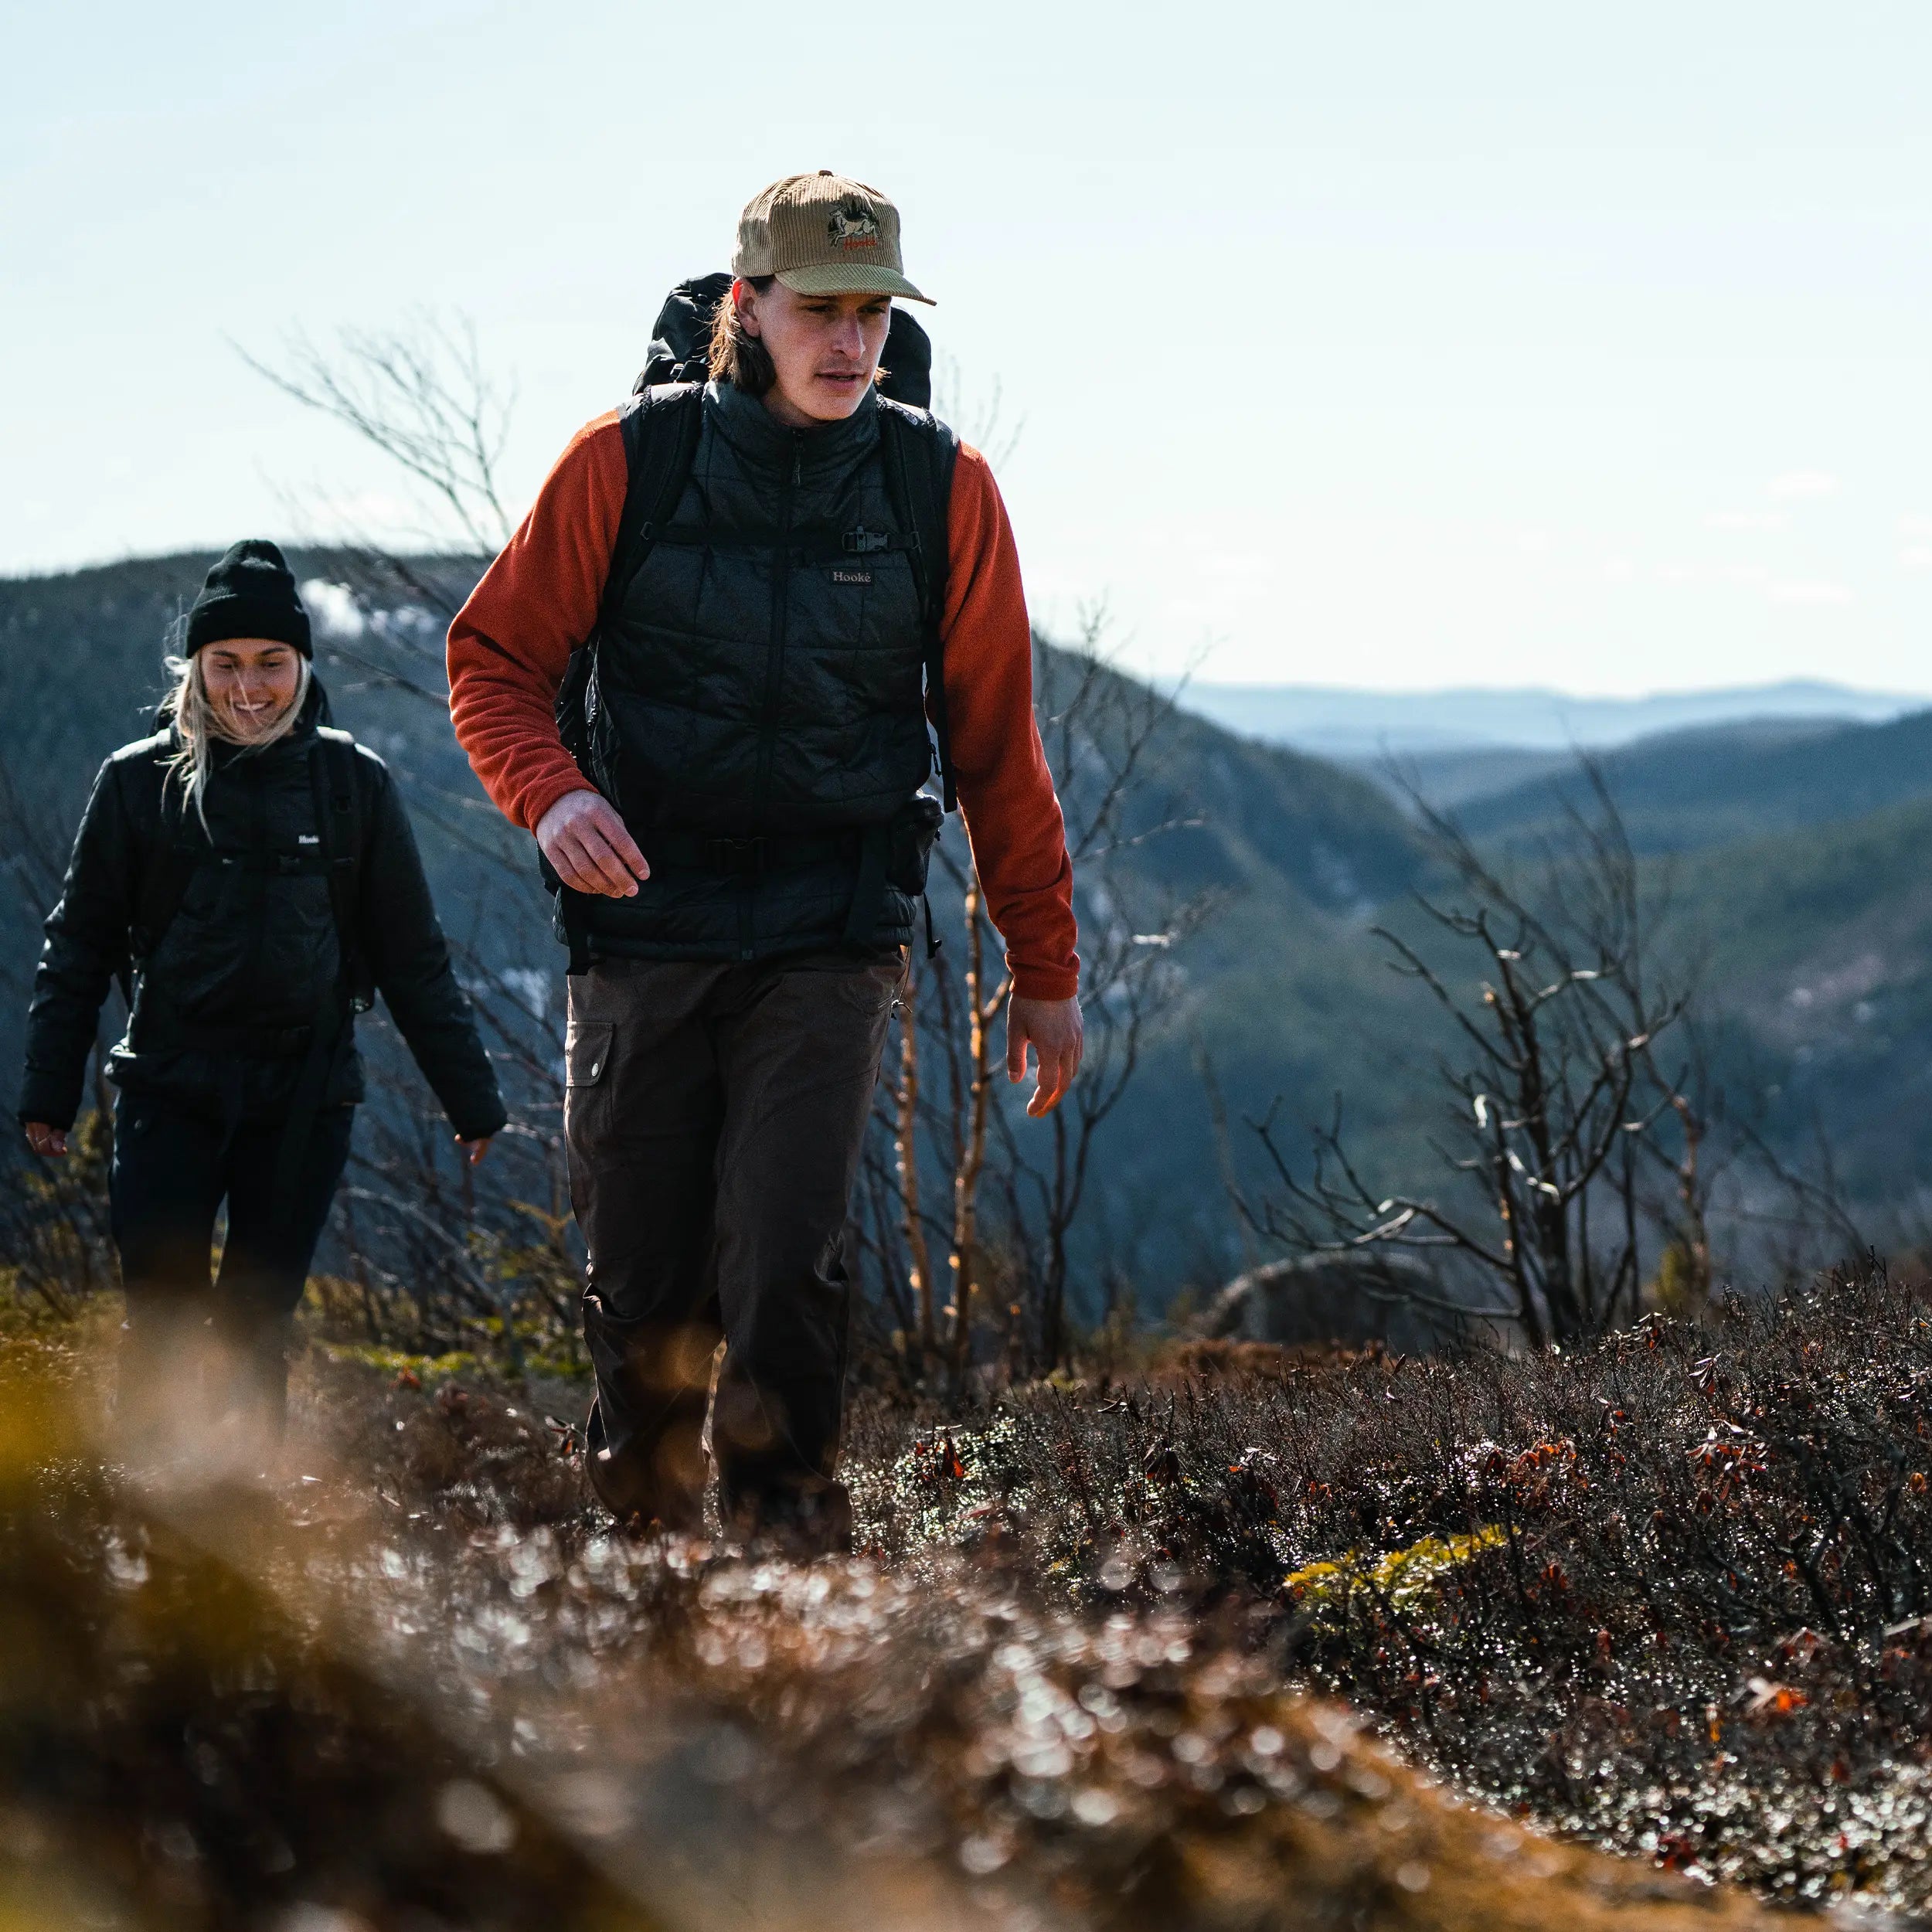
(1112, 1652)
(1669, 1592)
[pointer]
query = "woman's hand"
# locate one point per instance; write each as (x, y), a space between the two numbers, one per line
(473, 1151)
(44, 1140)
(1052, 1028)
(587, 845)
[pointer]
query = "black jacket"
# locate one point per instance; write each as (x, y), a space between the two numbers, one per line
(249, 955)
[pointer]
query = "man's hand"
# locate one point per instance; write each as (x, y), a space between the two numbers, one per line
(1052, 1028)
(584, 840)
(44, 1139)
(473, 1151)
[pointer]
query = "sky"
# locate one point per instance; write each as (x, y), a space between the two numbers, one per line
(1396, 345)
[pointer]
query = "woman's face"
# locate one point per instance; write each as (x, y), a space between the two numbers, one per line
(250, 683)
(826, 348)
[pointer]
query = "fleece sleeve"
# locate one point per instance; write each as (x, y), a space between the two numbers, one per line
(1006, 791)
(511, 644)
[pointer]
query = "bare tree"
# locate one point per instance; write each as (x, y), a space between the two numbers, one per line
(422, 396)
(981, 419)
(449, 1257)
(1014, 1192)
(1558, 1096)
(446, 1257)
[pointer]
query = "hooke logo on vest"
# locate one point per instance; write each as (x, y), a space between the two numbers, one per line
(853, 226)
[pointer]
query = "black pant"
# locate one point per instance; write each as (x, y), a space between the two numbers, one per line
(172, 1169)
(714, 1118)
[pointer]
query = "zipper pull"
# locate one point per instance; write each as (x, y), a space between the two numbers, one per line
(797, 458)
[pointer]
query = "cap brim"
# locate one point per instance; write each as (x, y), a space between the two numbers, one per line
(835, 278)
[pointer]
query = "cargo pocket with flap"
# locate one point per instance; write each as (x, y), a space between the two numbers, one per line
(587, 1051)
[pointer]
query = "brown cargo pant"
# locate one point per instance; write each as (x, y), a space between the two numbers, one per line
(714, 1115)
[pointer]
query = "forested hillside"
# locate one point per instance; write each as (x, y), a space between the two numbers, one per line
(1820, 944)
(1804, 896)
(1687, 790)
(1281, 991)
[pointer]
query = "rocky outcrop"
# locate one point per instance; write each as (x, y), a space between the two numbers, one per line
(1348, 1299)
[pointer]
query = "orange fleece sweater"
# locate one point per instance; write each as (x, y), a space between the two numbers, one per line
(511, 644)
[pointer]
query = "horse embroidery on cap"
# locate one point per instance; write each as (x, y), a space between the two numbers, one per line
(853, 226)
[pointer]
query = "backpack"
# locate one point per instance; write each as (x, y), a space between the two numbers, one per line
(680, 349)
(660, 425)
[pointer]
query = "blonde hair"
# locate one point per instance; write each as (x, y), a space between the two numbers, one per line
(198, 725)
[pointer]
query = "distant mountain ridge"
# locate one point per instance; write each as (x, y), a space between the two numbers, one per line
(1355, 725)
(1687, 791)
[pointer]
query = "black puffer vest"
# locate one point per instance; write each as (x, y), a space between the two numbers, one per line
(756, 702)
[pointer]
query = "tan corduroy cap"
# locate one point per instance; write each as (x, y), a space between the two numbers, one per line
(823, 234)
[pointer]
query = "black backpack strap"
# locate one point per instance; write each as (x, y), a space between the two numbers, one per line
(921, 453)
(163, 885)
(339, 825)
(660, 427)
(869, 890)
(575, 907)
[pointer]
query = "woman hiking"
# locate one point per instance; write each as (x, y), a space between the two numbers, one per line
(748, 598)
(250, 877)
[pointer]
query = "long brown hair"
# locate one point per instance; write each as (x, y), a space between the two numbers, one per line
(737, 357)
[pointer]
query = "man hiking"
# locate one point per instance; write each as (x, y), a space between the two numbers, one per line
(249, 874)
(739, 835)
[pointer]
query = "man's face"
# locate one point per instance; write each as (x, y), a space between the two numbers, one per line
(826, 348)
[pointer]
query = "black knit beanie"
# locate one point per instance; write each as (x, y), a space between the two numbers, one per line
(250, 593)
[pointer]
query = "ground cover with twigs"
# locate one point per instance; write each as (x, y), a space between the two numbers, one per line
(1664, 1593)
(1669, 1592)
